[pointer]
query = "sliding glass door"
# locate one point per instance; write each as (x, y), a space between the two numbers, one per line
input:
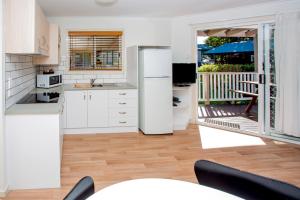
(270, 84)
(268, 78)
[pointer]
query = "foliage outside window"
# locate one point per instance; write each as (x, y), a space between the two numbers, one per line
(218, 41)
(95, 50)
(227, 68)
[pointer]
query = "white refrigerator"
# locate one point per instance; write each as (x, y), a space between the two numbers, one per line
(155, 91)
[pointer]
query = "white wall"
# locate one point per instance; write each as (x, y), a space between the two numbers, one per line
(136, 31)
(20, 76)
(182, 43)
(3, 182)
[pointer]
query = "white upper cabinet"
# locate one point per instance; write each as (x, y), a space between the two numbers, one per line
(26, 28)
(54, 48)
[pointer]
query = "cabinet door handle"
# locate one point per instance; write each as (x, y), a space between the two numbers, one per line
(123, 122)
(122, 113)
(90, 97)
(84, 97)
(43, 42)
(122, 103)
(62, 109)
(123, 93)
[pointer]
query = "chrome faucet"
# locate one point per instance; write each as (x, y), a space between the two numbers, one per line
(92, 81)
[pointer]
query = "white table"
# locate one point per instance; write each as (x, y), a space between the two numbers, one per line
(156, 189)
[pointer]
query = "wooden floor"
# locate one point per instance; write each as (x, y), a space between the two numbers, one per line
(111, 158)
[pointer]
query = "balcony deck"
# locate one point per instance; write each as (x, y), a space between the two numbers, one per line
(228, 116)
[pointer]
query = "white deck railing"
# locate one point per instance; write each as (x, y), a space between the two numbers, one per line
(217, 86)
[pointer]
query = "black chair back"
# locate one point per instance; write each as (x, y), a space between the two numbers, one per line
(243, 184)
(82, 190)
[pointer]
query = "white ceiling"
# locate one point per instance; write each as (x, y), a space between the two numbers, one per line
(139, 8)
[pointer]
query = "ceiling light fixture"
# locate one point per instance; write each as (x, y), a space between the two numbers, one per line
(105, 2)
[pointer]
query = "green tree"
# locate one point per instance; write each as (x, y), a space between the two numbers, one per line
(218, 41)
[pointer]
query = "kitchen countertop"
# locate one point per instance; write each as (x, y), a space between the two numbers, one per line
(39, 108)
(56, 108)
(106, 86)
(34, 109)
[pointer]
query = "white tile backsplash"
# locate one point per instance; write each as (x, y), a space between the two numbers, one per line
(20, 78)
(90, 76)
(20, 74)
(85, 76)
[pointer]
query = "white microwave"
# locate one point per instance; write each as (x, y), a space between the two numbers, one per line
(48, 80)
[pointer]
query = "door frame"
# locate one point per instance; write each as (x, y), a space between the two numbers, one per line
(257, 21)
(264, 103)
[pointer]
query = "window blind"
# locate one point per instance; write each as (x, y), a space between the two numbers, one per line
(95, 50)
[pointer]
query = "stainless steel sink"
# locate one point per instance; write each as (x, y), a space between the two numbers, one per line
(96, 85)
(86, 85)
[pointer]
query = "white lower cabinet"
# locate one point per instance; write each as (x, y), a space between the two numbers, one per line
(122, 103)
(76, 107)
(123, 108)
(122, 112)
(97, 108)
(122, 121)
(33, 151)
(90, 110)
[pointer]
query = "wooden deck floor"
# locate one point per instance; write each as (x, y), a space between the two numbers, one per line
(111, 158)
(232, 114)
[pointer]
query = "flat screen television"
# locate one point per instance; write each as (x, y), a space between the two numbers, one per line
(184, 73)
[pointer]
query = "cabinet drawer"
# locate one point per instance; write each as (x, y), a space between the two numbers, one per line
(122, 103)
(122, 94)
(123, 121)
(122, 112)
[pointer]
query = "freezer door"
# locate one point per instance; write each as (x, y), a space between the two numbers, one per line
(157, 62)
(158, 113)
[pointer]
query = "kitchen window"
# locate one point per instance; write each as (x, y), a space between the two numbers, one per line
(95, 50)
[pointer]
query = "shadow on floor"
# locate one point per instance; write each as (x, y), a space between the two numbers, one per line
(226, 110)
(229, 116)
